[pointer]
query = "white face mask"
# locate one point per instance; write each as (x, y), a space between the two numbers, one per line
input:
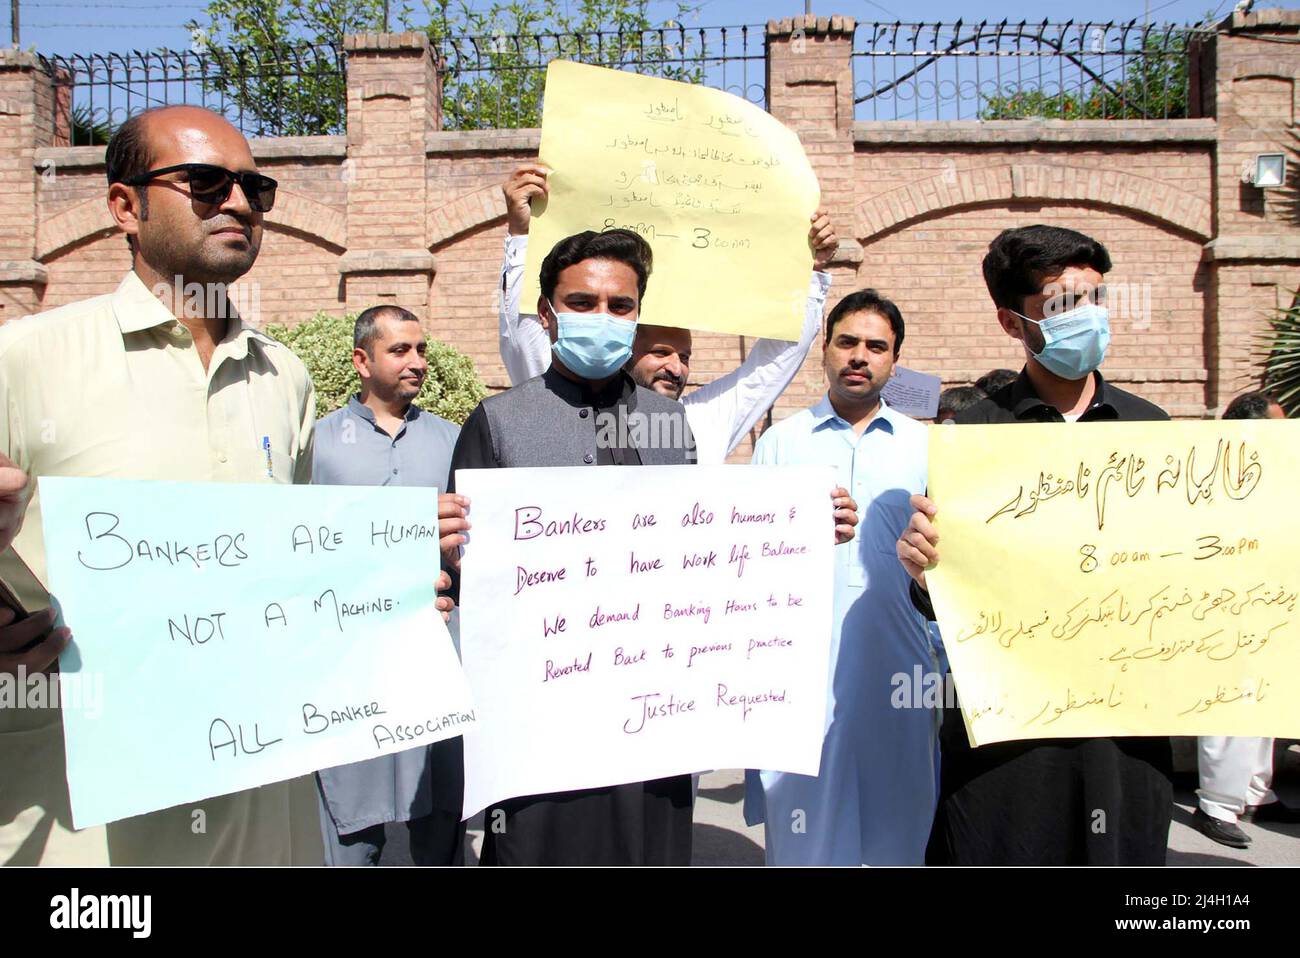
(1074, 342)
(593, 345)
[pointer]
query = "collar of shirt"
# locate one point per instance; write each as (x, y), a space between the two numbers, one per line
(137, 308)
(1024, 402)
(357, 408)
(824, 413)
(622, 389)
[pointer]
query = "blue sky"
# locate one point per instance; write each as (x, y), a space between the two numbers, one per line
(98, 26)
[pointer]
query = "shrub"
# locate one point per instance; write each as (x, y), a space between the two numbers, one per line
(324, 343)
(1280, 355)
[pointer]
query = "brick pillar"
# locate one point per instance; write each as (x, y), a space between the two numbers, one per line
(810, 90)
(26, 124)
(393, 105)
(1255, 255)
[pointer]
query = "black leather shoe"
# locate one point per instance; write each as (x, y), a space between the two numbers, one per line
(1225, 833)
(1272, 812)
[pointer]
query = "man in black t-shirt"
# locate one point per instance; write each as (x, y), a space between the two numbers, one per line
(1034, 802)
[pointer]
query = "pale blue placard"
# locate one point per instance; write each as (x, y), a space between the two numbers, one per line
(242, 634)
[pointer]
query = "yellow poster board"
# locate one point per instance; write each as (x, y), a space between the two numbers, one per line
(721, 191)
(1120, 578)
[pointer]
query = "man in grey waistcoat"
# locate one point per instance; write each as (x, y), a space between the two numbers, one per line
(576, 414)
(380, 438)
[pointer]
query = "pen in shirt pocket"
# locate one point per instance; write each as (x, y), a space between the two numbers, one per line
(266, 446)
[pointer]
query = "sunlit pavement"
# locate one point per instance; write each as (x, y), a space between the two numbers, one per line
(722, 838)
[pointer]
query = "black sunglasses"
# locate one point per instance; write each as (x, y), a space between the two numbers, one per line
(212, 184)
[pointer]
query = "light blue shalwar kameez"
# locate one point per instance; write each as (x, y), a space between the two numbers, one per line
(874, 799)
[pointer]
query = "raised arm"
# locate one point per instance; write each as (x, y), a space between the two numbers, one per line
(525, 348)
(737, 400)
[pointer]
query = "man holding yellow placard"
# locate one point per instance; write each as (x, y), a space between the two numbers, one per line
(720, 413)
(1065, 800)
(720, 190)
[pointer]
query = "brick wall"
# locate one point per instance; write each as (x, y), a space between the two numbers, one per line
(400, 211)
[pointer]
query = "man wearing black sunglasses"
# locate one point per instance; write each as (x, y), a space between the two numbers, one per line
(154, 384)
(190, 200)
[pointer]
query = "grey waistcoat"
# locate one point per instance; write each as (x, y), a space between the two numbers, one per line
(545, 421)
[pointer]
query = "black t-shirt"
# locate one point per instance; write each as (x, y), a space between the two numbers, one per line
(1050, 801)
(1018, 402)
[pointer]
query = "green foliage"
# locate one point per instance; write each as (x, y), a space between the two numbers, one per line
(1154, 85)
(324, 343)
(1281, 358)
(494, 81)
(272, 59)
(89, 128)
(266, 57)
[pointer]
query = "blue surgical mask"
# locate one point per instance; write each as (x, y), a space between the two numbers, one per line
(593, 345)
(1074, 342)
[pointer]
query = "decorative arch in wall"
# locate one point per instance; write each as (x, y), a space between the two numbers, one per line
(1050, 182)
(1269, 67)
(89, 219)
(465, 213)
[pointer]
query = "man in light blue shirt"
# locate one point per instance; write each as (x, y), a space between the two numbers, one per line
(873, 801)
(381, 438)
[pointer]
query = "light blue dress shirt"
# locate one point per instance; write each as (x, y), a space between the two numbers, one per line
(874, 799)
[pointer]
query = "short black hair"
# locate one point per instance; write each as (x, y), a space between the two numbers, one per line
(996, 379)
(867, 301)
(1020, 259)
(128, 154)
(624, 246)
(958, 399)
(1252, 405)
(366, 328)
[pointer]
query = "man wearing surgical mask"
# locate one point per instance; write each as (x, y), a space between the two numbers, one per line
(592, 285)
(1086, 801)
(722, 412)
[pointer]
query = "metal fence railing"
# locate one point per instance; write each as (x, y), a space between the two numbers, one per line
(497, 81)
(289, 91)
(986, 71)
(902, 71)
(488, 81)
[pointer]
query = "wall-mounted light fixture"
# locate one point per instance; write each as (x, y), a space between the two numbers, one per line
(1267, 172)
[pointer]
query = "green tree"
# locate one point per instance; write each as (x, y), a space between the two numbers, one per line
(491, 59)
(1154, 84)
(451, 389)
(279, 61)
